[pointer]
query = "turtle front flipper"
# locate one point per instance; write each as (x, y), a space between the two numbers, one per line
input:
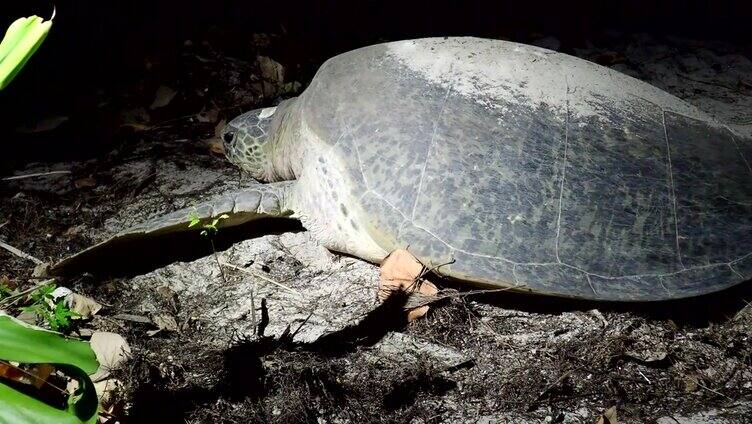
(174, 230)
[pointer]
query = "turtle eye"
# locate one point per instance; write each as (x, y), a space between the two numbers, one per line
(228, 137)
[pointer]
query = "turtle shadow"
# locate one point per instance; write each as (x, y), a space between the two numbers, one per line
(695, 311)
(244, 376)
(140, 255)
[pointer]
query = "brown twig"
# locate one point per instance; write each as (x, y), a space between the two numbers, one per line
(714, 391)
(551, 386)
(418, 299)
(219, 265)
(20, 253)
(713, 83)
(33, 376)
(257, 275)
(12, 299)
(37, 174)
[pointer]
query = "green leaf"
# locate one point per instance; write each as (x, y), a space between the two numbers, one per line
(4, 291)
(60, 317)
(22, 39)
(21, 408)
(194, 218)
(23, 343)
(42, 293)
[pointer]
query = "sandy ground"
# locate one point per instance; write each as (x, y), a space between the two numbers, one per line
(299, 336)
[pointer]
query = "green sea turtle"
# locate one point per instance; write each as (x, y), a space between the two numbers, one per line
(503, 165)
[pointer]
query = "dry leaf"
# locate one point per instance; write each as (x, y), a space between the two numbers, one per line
(609, 58)
(47, 124)
(74, 231)
(207, 116)
(84, 306)
(647, 356)
(166, 293)
(163, 97)
(290, 87)
(152, 333)
(136, 126)
(401, 271)
(608, 417)
(35, 375)
(111, 350)
(28, 316)
(41, 270)
(216, 146)
(691, 383)
(106, 389)
(10, 372)
(271, 69)
(165, 322)
(135, 118)
(41, 373)
(86, 182)
(85, 332)
(133, 318)
(7, 283)
(218, 129)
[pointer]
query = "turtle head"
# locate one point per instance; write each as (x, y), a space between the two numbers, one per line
(245, 141)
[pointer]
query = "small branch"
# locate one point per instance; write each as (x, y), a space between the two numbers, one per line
(551, 386)
(33, 376)
(38, 174)
(263, 277)
(713, 83)
(19, 253)
(714, 391)
(418, 299)
(12, 299)
(301, 326)
(253, 308)
(219, 265)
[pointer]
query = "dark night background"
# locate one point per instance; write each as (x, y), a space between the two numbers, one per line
(95, 46)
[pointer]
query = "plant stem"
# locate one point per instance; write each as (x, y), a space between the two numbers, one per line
(253, 306)
(216, 258)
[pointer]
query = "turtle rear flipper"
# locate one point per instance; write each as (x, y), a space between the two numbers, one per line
(177, 233)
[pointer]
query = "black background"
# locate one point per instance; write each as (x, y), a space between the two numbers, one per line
(98, 44)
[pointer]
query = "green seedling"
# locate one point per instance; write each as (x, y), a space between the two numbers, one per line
(209, 230)
(56, 314)
(22, 39)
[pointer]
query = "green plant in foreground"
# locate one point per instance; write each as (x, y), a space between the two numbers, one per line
(26, 344)
(23, 343)
(22, 39)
